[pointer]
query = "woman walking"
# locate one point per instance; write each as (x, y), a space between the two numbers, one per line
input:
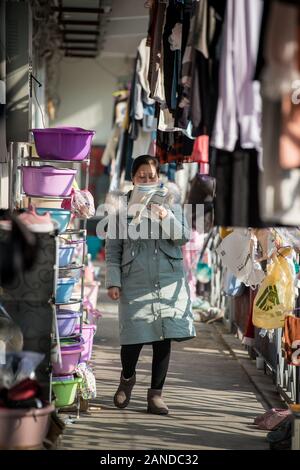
(145, 274)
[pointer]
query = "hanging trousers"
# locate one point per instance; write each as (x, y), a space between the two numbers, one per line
(160, 362)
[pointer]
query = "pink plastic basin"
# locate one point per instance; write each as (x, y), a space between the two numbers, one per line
(47, 180)
(70, 359)
(88, 333)
(63, 143)
(23, 428)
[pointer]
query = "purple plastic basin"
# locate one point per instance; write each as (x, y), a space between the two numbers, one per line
(73, 345)
(88, 333)
(47, 180)
(67, 322)
(70, 359)
(63, 143)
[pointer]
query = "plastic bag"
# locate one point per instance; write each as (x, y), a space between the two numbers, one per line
(81, 204)
(237, 254)
(275, 296)
(18, 367)
(231, 285)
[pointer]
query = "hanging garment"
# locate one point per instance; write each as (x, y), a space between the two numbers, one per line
(239, 104)
(289, 141)
(166, 121)
(142, 70)
(237, 197)
(171, 61)
(201, 149)
(3, 149)
(184, 177)
(116, 169)
(279, 195)
(142, 90)
(206, 41)
(183, 109)
(191, 252)
(149, 119)
(281, 51)
(249, 335)
(154, 40)
(110, 150)
(141, 144)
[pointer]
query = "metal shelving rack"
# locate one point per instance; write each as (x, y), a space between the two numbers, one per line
(80, 232)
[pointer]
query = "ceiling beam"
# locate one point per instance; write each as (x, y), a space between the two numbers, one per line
(79, 48)
(79, 22)
(83, 56)
(81, 31)
(81, 41)
(80, 10)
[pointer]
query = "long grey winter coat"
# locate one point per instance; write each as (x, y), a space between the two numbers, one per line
(154, 303)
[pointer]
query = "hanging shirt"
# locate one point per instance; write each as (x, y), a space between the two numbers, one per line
(239, 105)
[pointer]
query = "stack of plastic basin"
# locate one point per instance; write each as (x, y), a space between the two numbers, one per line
(65, 255)
(67, 320)
(47, 180)
(70, 355)
(60, 216)
(63, 143)
(88, 333)
(64, 289)
(65, 388)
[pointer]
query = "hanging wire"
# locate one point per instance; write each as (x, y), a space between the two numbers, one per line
(39, 106)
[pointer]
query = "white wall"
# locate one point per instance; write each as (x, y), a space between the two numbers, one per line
(85, 90)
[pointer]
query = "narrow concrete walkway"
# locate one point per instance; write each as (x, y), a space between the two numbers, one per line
(211, 399)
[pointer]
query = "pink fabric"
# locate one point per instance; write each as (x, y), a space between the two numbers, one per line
(191, 252)
(272, 418)
(200, 149)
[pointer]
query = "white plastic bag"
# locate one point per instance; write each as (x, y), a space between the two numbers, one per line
(237, 254)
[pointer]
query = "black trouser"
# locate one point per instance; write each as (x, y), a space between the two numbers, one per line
(160, 362)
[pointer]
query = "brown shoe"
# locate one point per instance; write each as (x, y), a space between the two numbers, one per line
(123, 394)
(156, 405)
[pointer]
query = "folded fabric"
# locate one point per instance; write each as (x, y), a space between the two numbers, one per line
(88, 385)
(272, 418)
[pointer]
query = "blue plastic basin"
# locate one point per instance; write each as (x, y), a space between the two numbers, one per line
(61, 216)
(65, 255)
(64, 290)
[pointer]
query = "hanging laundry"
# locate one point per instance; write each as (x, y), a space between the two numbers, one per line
(239, 104)
(142, 90)
(154, 40)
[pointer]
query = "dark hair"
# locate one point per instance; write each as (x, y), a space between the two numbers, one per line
(144, 160)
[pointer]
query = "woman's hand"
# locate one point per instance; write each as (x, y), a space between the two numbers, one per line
(114, 293)
(159, 211)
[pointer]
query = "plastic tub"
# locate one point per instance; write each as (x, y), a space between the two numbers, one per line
(24, 428)
(65, 255)
(60, 216)
(65, 390)
(70, 358)
(47, 180)
(88, 333)
(67, 320)
(64, 290)
(63, 143)
(71, 344)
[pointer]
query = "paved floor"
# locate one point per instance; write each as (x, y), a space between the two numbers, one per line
(212, 402)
